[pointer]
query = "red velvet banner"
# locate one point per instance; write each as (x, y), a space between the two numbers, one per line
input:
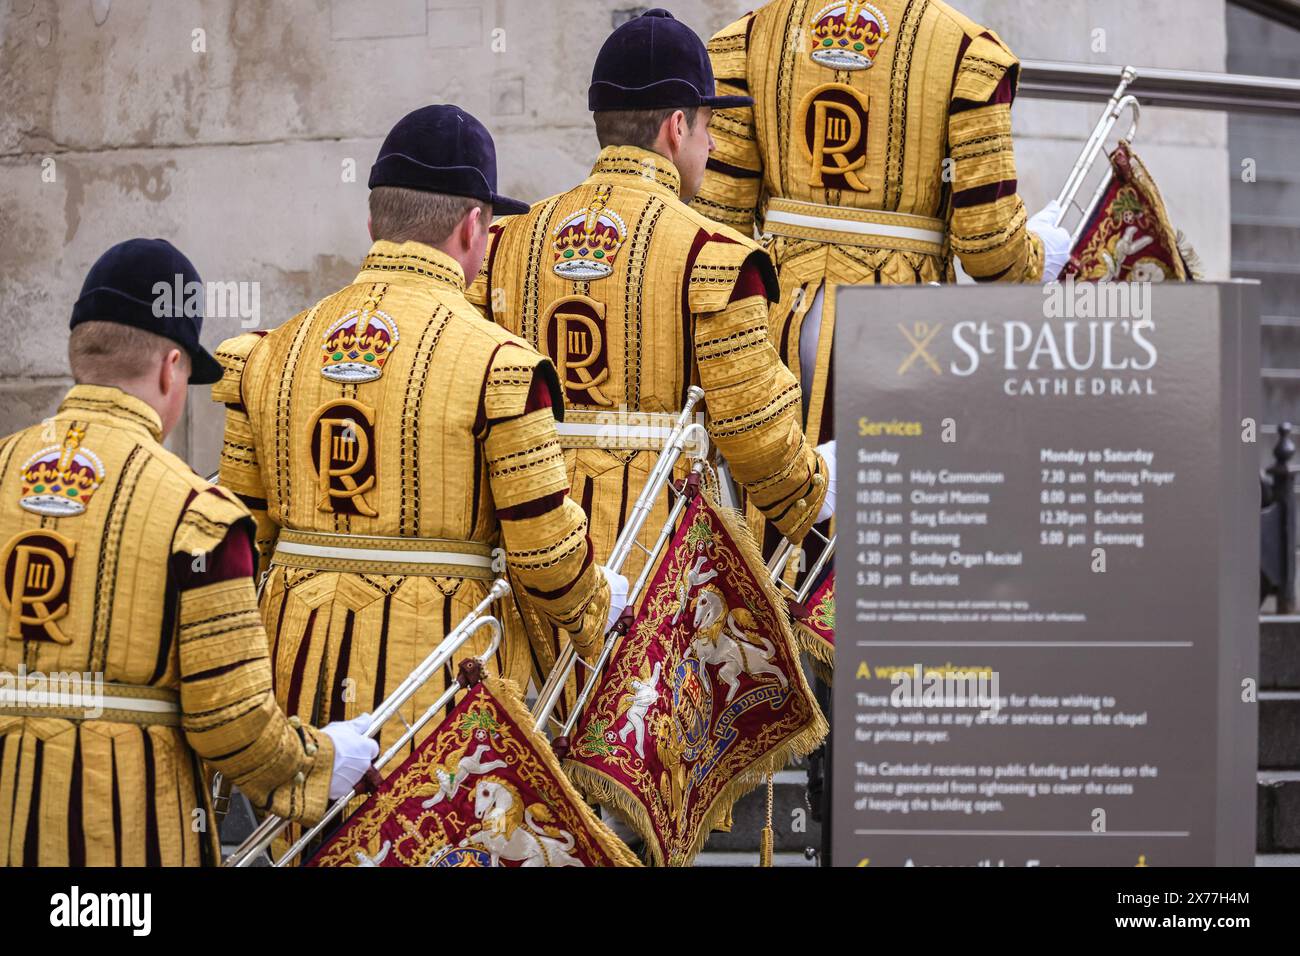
(815, 624)
(1128, 237)
(484, 789)
(702, 698)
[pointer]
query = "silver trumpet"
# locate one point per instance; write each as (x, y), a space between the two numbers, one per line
(1119, 102)
(470, 672)
(780, 560)
(660, 478)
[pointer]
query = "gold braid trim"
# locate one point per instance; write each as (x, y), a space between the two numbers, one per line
(715, 271)
(233, 356)
(206, 521)
(982, 69)
(510, 379)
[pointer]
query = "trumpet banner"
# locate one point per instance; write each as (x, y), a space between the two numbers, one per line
(815, 625)
(1128, 237)
(484, 789)
(702, 697)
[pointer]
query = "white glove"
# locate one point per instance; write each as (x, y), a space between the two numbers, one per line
(827, 451)
(354, 753)
(1056, 240)
(617, 594)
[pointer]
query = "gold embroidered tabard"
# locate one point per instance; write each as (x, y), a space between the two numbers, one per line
(116, 676)
(879, 146)
(386, 443)
(635, 297)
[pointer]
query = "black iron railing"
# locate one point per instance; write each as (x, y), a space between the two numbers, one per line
(1277, 525)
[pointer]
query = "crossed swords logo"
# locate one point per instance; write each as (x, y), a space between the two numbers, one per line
(920, 336)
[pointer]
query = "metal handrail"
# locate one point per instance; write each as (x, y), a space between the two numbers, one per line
(1183, 89)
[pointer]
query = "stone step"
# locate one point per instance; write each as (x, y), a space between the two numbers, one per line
(1280, 402)
(1267, 196)
(1259, 45)
(1270, 143)
(1260, 48)
(1277, 820)
(1279, 730)
(1279, 653)
(1279, 341)
(792, 825)
(1279, 286)
(1268, 239)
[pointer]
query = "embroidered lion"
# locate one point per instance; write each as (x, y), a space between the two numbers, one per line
(455, 771)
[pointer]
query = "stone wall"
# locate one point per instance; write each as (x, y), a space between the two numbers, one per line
(238, 152)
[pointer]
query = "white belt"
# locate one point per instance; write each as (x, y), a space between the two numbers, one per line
(434, 557)
(790, 216)
(118, 703)
(377, 554)
(614, 431)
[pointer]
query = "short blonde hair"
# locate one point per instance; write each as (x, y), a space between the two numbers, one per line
(105, 353)
(398, 214)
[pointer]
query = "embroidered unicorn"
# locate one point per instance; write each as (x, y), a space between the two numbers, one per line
(730, 640)
(517, 833)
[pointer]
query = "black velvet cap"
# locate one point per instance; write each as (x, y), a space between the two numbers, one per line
(125, 285)
(442, 149)
(654, 62)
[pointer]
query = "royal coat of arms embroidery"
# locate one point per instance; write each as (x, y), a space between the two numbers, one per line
(701, 698)
(587, 242)
(356, 347)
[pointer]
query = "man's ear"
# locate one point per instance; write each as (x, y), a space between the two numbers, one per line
(470, 226)
(678, 127)
(172, 372)
(370, 228)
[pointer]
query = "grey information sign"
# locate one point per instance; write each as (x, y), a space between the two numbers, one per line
(1046, 575)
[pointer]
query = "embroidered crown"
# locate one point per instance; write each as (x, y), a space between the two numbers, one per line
(59, 480)
(587, 242)
(847, 35)
(357, 346)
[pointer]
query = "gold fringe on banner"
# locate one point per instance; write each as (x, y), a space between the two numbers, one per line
(820, 654)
